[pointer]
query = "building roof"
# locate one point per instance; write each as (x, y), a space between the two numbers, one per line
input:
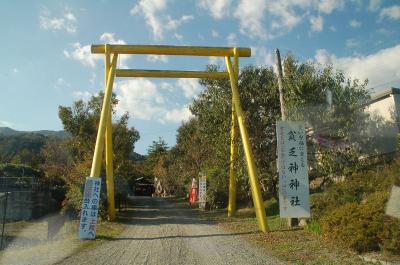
(384, 94)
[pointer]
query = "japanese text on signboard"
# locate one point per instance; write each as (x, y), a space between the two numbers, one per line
(293, 170)
(90, 207)
(202, 192)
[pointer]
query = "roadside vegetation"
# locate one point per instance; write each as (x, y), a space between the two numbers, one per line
(54, 168)
(350, 181)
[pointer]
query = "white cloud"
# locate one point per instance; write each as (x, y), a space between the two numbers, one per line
(355, 23)
(82, 54)
(157, 58)
(61, 83)
(251, 17)
(263, 56)
(232, 39)
(352, 43)
(67, 21)
(215, 33)
(15, 70)
(317, 23)
(109, 38)
(217, 8)
(83, 95)
(153, 13)
(143, 99)
(216, 60)
(284, 15)
(178, 115)
(175, 23)
(92, 80)
(328, 6)
(332, 28)
(379, 68)
(140, 97)
(6, 124)
(167, 86)
(178, 36)
(269, 19)
(150, 10)
(374, 5)
(392, 12)
(189, 86)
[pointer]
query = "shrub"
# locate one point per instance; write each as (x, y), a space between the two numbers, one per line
(19, 170)
(75, 197)
(217, 188)
(364, 226)
(354, 189)
(74, 200)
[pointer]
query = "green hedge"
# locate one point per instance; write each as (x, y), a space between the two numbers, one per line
(353, 211)
(364, 226)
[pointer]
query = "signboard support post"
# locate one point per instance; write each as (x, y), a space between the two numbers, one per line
(291, 221)
(232, 173)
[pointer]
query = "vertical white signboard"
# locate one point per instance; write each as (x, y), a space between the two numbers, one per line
(90, 208)
(202, 192)
(294, 194)
(393, 205)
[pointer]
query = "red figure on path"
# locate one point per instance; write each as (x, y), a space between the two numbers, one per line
(193, 192)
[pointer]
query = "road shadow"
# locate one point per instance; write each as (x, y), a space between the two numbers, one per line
(150, 211)
(174, 237)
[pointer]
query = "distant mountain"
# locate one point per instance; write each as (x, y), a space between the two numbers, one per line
(6, 131)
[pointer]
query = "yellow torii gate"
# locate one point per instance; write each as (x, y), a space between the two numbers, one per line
(104, 133)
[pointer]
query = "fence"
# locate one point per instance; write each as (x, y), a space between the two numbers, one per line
(3, 214)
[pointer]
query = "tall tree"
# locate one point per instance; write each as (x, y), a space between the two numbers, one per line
(306, 86)
(81, 122)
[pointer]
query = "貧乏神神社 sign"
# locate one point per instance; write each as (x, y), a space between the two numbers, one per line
(294, 195)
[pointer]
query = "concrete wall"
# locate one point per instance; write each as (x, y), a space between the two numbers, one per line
(26, 205)
(383, 108)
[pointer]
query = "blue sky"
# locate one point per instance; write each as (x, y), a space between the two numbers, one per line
(46, 60)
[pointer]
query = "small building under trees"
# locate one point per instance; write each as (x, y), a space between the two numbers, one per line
(383, 127)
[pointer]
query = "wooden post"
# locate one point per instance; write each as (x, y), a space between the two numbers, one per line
(280, 82)
(291, 221)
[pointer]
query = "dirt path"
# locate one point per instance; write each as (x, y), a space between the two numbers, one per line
(160, 232)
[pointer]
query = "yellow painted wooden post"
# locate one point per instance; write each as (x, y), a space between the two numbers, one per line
(232, 173)
(98, 149)
(251, 168)
(109, 150)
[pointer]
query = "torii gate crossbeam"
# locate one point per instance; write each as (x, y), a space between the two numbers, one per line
(104, 133)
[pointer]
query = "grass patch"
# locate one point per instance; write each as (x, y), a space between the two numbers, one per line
(298, 246)
(314, 226)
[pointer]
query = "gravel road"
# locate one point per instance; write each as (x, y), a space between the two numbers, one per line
(161, 232)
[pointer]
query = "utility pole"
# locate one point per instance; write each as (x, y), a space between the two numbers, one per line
(291, 221)
(280, 82)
